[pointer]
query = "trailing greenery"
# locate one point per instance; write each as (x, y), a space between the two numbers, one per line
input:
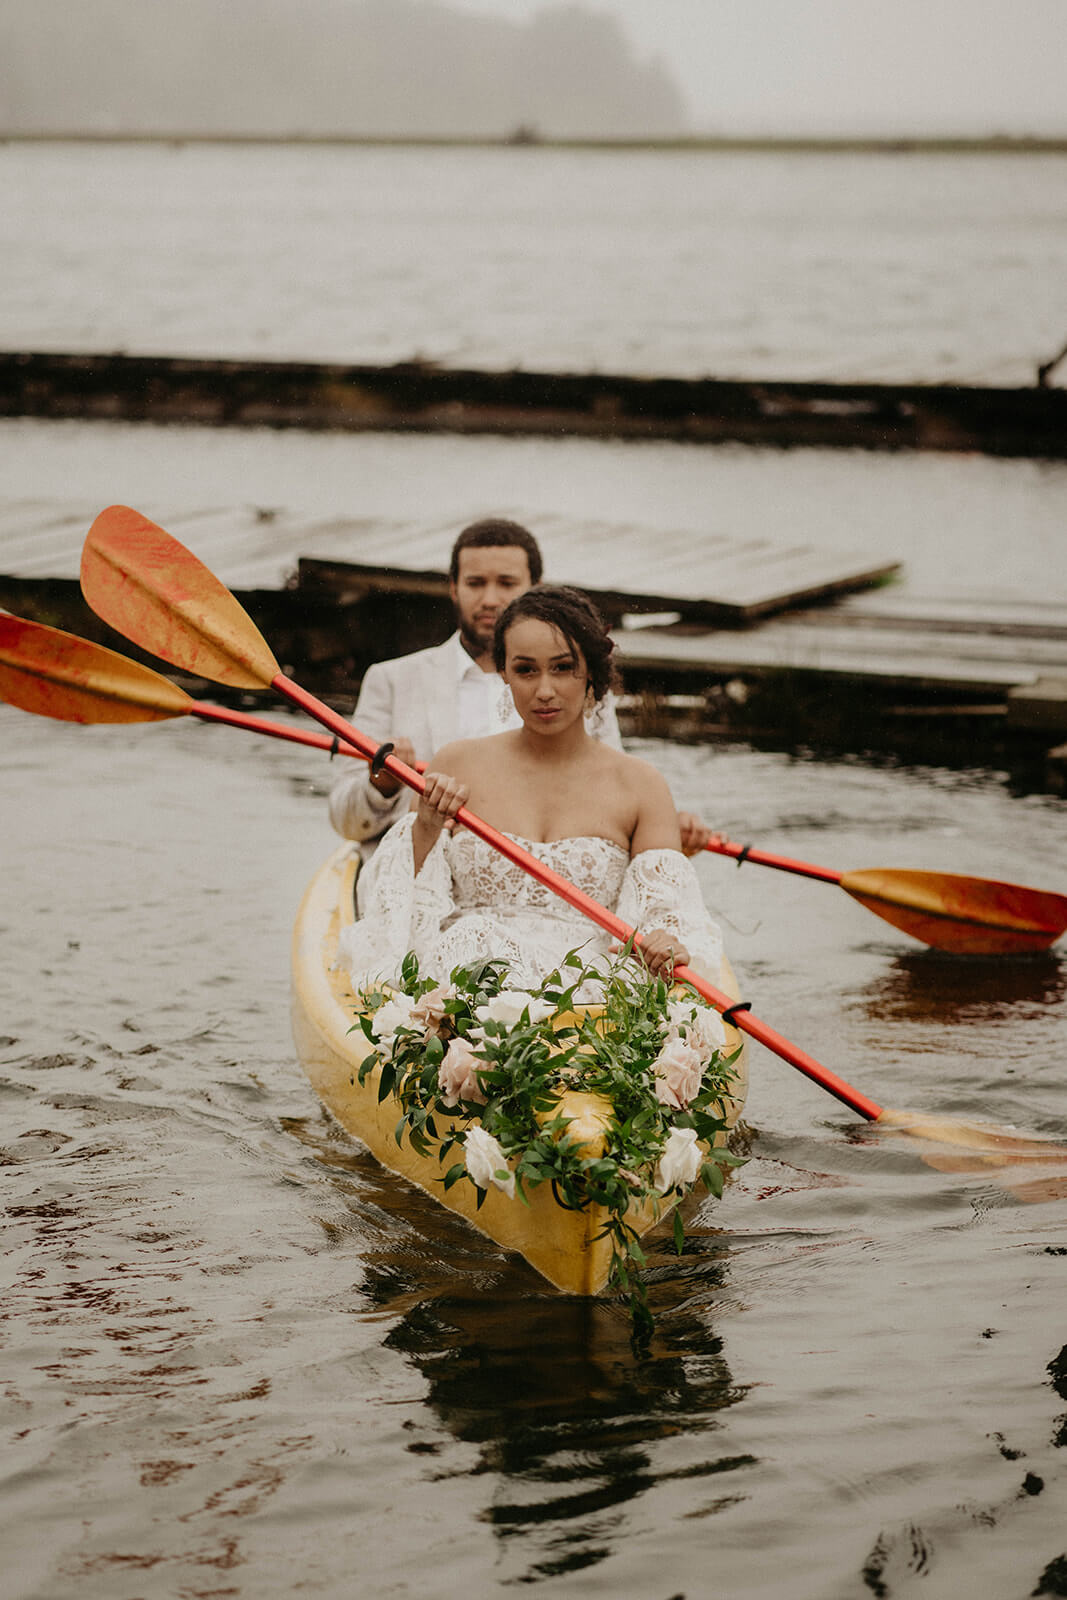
(477, 1070)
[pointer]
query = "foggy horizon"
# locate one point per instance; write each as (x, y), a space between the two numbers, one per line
(370, 68)
(486, 69)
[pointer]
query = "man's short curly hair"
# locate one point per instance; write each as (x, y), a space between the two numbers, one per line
(497, 533)
(575, 617)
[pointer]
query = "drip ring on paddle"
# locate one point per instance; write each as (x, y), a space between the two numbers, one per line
(377, 760)
(731, 1011)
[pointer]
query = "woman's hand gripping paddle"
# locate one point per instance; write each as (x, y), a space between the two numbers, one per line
(152, 589)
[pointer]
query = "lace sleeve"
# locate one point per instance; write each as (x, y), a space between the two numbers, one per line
(660, 890)
(397, 911)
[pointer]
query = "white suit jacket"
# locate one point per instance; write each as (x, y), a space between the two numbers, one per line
(413, 697)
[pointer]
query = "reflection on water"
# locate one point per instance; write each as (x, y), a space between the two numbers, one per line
(546, 1387)
(561, 1412)
(930, 986)
(1003, 1006)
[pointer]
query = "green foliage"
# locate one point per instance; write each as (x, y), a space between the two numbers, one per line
(524, 1063)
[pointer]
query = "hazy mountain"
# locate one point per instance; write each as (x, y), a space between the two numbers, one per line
(323, 67)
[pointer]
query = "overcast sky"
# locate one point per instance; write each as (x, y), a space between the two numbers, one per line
(842, 66)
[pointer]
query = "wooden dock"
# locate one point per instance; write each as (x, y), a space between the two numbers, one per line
(422, 396)
(908, 643)
(699, 574)
(938, 679)
(786, 644)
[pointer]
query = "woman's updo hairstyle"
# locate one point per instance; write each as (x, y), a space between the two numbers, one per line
(575, 617)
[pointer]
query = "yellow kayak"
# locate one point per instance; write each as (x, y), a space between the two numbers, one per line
(566, 1246)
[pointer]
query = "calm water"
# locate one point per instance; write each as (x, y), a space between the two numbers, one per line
(239, 1360)
(755, 265)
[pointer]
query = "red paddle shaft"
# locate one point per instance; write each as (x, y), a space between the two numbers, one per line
(276, 730)
(743, 1019)
(762, 858)
(341, 745)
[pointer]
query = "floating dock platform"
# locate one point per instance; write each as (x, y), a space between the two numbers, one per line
(789, 645)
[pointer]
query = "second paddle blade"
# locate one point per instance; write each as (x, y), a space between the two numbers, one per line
(157, 593)
(969, 916)
(56, 674)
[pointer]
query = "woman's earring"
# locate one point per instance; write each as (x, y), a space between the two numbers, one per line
(505, 707)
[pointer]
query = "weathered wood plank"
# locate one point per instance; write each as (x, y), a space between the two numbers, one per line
(895, 608)
(41, 540)
(710, 575)
(684, 570)
(983, 663)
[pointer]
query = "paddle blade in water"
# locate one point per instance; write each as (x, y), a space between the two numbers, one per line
(979, 1147)
(157, 593)
(995, 1145)
(56, 674)
(970, 916)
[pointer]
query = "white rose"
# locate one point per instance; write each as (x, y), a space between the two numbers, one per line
(698, 1025)
(394, 1014)
(508, 1006)
(680, 1162)
(485, 1159)
(678, 1070)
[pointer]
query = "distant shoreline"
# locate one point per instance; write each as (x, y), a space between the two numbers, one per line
(524, 138)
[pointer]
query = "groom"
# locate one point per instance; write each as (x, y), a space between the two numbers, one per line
(452, 690)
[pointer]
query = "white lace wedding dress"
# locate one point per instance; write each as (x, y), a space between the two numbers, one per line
(469, 902)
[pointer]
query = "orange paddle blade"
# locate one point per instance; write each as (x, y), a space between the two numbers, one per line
(156, 592)
(970, 916)
(58, 675)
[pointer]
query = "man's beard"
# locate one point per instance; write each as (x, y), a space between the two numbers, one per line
(474, 644)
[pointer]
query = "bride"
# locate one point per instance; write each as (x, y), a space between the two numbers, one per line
(600, 818)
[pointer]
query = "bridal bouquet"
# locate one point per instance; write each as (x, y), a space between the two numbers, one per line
(478, 1068)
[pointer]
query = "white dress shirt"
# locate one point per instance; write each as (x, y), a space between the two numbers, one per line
(480, 697)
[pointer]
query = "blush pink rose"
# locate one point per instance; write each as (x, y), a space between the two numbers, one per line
(429, 1009)
(457, 1076)
(678, 1070)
